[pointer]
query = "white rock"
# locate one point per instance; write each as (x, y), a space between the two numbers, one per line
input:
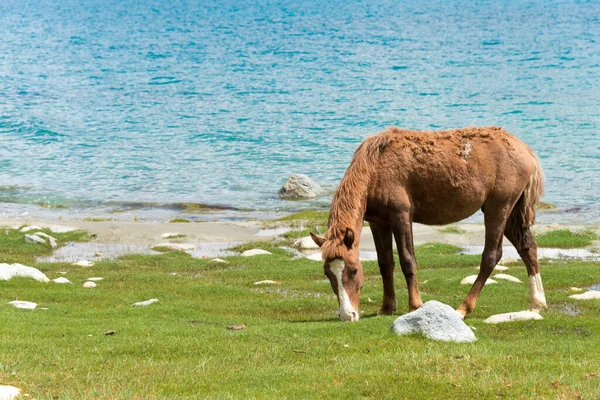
(498, 268)
(177, 246)
(61, 229)
(26, 305)
(9, 271)
(265, 282)
(254, 252)
(306, 243)
(144, 303)
(94, 279)
(61, 280)
(315, 257)
(219, 260)
(83, 263)
(299, 186)
(513, 316)
(9, 392)
(469, 280)
(34, 239)
(589, 295)
(29, 228)
(436, 321)
(52, 240)
(575, 289)
(508, 278)
(89, 284)
(508, 260)
(169, 235)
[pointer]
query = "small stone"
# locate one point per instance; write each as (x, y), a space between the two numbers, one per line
(34, 239)
(52, 240)
(144, 303)
(29, 228)
(237, 327)
(84, 263)
(94, 279)
(99, 255)
(589, 295)
(254, 252)
(436, 321)
(110, 333)
(26, 305)
(315, 257)
(265, 282)
(299, 186)
(9, 392)
(89, 284)
(306, 243)
(9, 271)
(61, 280)
(177, 246)
(469, 280)
(513, 316)
(507, 278)
(219, 260)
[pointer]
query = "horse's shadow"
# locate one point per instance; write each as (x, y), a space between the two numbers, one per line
(330, 319)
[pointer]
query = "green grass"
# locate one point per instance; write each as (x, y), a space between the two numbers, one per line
(452, 229)
(566, 239)
(293, 346)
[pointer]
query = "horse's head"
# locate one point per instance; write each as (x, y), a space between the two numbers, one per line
(344, 270)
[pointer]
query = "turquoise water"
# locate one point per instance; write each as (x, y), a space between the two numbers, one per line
(217, 102)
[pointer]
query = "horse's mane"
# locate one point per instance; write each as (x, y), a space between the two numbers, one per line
(349, 202)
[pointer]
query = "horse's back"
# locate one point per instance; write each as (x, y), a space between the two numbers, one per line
(443, 177)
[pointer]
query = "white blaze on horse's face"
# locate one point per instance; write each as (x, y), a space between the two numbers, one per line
(343, 281)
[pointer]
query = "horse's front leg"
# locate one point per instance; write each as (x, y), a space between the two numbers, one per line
(404, 241)
(382, 236)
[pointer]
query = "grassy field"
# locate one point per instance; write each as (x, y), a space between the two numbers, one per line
(293, 345)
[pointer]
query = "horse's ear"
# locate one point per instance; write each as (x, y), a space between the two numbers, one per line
(319, 240)
(349, 238)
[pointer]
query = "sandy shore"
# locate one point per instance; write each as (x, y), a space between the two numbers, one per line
(151, 233)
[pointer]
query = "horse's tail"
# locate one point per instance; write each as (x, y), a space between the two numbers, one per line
(523, 213)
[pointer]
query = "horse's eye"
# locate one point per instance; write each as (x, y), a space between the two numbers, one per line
(353, 272)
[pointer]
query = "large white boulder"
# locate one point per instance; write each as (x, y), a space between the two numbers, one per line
(9, 271)
(436, 321)
(299, 186)
(9, 392)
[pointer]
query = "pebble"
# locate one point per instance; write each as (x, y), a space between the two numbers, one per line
(34, 239)
(508, 278)
(265, 282)
(61, 280)
(26, 305)
(84, 263)
(254, 252)
(469, 280)
(513, 316)
(589, 295)
(96, 278)
(219, 260)
(144, 303)
(89, 284)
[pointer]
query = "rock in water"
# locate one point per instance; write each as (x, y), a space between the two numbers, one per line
(299, 186)
(436, 321)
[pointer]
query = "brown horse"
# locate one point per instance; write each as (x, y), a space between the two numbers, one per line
(399, 177)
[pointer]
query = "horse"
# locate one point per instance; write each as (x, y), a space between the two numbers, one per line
(398, 177)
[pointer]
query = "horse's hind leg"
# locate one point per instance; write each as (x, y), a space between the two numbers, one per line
(404, 241)
(495, 219)
(526, 245)
(382, 236)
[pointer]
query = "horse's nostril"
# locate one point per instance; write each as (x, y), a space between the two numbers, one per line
(353, 315)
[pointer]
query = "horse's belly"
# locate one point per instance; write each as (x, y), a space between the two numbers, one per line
(447, 209)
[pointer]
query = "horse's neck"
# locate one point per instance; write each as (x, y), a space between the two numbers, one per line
(348, 214)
